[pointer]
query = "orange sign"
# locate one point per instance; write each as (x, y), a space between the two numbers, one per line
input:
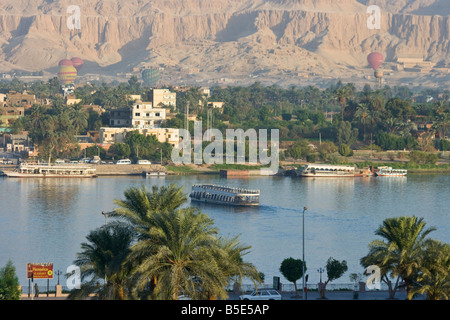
(40, 270)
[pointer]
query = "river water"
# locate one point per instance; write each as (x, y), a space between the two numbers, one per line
(46, 220)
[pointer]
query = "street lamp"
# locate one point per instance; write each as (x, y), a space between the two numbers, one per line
(303, 258)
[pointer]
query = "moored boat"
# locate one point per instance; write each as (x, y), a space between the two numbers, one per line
(389, 172)
(154, 174)
(210, 193)
(51, 171)
(326, 170)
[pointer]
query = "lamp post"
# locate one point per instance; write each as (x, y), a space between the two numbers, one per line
(105, 213)
(303, 258)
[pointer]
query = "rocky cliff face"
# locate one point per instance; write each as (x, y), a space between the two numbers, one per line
(221, 37)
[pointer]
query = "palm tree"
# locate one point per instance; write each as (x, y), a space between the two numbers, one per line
(403, 242)
(140, 203)
(342, 94)
(434, 276)
(362, 113)
(103, 260)
(232, 263)
(79, 118)
(377, 257)
(179, 252)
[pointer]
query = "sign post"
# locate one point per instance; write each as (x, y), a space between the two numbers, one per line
(39, 271)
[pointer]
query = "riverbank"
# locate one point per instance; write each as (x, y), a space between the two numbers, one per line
(247, 170)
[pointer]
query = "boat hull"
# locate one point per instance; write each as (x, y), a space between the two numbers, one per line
(41, 175)
(325, 175)
(390, 175)
(225, 202)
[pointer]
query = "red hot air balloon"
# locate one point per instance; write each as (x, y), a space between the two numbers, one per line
(77, 63)
(375, 59)
(65, 62)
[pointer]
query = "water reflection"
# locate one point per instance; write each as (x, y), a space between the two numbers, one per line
(45, 220)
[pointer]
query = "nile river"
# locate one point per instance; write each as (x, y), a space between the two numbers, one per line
(46, 220)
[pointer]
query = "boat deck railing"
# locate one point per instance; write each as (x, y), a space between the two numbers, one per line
(226, 188)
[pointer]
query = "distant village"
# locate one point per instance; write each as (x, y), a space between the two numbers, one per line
(146, 117)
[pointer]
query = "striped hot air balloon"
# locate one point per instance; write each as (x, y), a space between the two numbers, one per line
(67, 74)
(65, 62)
(77, 63)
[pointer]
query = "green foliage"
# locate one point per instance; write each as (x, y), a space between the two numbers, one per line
(390, 141)
(423, 157)
(292, 269)
(9, 283)
(345, 150)
(335, 269)
(346, 134)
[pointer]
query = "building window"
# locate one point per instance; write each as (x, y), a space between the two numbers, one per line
(157, 114)
(137, 114)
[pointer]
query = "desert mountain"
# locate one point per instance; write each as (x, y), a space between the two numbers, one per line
(205, 41)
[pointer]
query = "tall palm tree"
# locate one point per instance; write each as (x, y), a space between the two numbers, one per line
(434, 276)
(140, 203)
(179, 252)
(362, 113)
(232, 263)
(342, 94)
(377, 257)
(79, 118)
(102, 259)
(403, 242)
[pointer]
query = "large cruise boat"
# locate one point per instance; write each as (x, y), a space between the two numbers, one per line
(210, 193)
(51, 171)
(389, 172)
(326, 170)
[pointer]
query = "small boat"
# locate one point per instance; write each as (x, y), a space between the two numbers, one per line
(51, 171)
(326, 170)
(389, 172)
(154, 174)
(210, 193)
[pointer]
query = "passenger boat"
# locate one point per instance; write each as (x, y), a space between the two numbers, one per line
(210, 193)
(389, 172)
(51, 171)
(326, 170)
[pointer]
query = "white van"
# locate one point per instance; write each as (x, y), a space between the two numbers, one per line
(123, 161)
(143, 162)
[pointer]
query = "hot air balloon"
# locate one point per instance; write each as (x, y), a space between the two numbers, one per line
(65, 62)
(375, 59)
(67, 74)
(77, 63)
(150, 76)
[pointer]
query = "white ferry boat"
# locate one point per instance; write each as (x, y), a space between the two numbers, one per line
(389, 172)
(210, 193)
(51, 171)
(326, 170)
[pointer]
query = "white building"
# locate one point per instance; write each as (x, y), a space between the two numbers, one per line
(143, 115)
(110, 135)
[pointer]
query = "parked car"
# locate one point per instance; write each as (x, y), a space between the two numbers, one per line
(262, 294)
(123, 161)
(143, 162)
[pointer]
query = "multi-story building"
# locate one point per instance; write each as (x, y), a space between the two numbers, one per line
(143, 115)
(164, 97)
(117, 135)
(120, 117)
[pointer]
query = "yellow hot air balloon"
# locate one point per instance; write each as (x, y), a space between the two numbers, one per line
(67, 74)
